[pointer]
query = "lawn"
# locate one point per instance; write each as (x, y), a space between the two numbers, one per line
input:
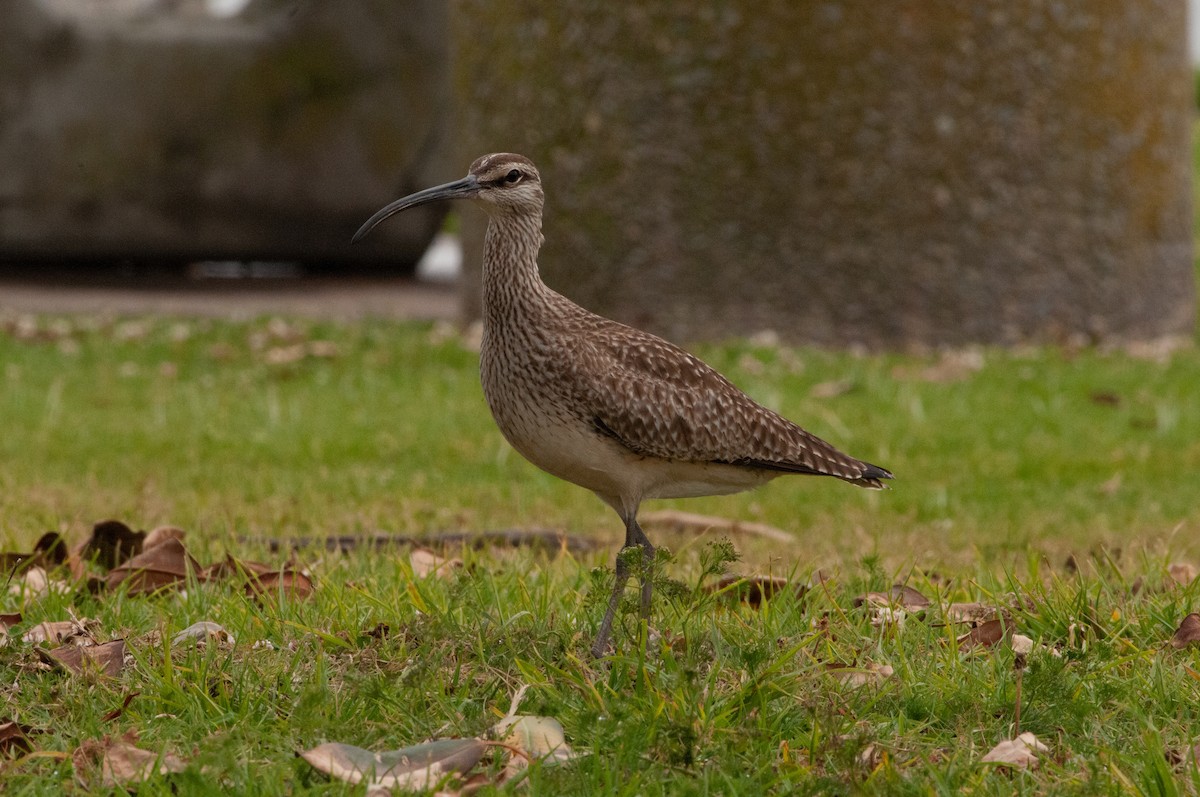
(1056, 488)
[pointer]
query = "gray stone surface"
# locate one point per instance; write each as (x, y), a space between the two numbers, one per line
(889, 174)
(150, 129)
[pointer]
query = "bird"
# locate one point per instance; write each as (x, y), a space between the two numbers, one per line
(618, 411)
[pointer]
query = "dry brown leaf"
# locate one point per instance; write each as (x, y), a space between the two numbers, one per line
(36, 583)
(285, 355)
(539, 738)
(324, 349)
(14, 737)
(293, 583)
(676, 521)
(161, 534)
(855, 676)
(51, 549)
(973, 613)
(871, 755)
(426, 563)
(123, 764)
(112, 542)
(1112, 485)
(165, 565)
(107, 659)
(1188, 632)
(954, 366)
(203, 632)
(414, 768)
(753, 590)
(61, 632)
(1182, 573)
(831, 389)
(899, 596)
(229, 567)
(985, 635)
(1021, 644)
(1018, 752)
(7, 621)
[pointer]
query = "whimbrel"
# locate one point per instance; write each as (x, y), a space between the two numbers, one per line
(619, 411)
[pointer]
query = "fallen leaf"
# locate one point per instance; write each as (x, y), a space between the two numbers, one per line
(106, 659)
(421, 766)
(871, 755)
(985, 635)
(324, 349)
(426, 563)
(952, 366)
(1021, 644)
(293, 583)
(855, 676)
(969, 613)
(752, 590)
(122, 763)
(60, 631)
(1182, 573)
(7, 621)
(1188, 632)
(676, 521)
(899, 596)
(202, 632)
(1018, 752)
(161, 534)
(231, 567)
(36, 583)
(831, 389)
(14, 737)
(112, 542)
(164, 565)
(539, 738)
(285, 355)
(1111, 485)
(885, 616)
(50, 549)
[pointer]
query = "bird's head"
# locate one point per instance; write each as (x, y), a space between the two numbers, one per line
(502, 183)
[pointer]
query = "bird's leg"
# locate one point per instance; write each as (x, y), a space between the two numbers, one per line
(633, 536)
(640, 538)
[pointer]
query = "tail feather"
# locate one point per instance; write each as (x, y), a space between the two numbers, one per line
(851, 470)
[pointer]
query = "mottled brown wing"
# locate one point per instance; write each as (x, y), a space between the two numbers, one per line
(660, 401)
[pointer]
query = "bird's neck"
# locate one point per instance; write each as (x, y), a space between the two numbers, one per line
(512, 286)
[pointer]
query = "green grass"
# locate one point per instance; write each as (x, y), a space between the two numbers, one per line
(1003, 472)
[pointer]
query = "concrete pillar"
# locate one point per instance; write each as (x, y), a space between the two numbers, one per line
(916, 172)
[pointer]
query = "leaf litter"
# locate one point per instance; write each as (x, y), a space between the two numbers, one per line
(121, 762)
(1019, 753)
(524, 738)
(1188, 632)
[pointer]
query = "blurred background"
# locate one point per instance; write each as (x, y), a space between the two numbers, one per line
(890, 176)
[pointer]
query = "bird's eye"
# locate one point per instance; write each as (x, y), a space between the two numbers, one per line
(513, 176)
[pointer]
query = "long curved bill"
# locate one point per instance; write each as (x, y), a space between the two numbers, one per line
(465, 188)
